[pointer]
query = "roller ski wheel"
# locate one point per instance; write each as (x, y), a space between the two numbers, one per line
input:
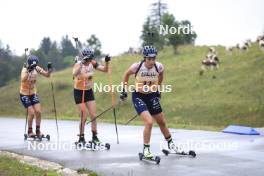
(81, 145)
(39, 138)
(190, 153)
(92, 146)
(25, 137)
(166, 152)
(100, 145)
(107, 146)
(42, 136)
(48, 137)
(155, 159)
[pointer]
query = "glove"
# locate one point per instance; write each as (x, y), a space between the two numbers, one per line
(31, 67)
(123, 95)
(107, 58)
(49, 66)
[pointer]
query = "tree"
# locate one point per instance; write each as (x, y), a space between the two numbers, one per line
(68, 61)
(45, 45)
(94, 43)
(158, 10)
(150, 35)
(55, 57)
(188, 38)
(5, 58)
(67, 48)
(172, 39)
(10, 65)
(180, 37)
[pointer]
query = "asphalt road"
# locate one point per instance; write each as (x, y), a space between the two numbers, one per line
(217, 153)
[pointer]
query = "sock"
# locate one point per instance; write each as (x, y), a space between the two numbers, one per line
(30, 130)
(146, 146)
(81, 137)
(37, 129)
(168, 139)
(94, 133)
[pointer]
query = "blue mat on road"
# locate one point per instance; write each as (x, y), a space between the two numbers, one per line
(242, 130)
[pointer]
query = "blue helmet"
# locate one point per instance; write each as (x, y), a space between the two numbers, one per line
(32, 60)
(88, 52)
(149, 51)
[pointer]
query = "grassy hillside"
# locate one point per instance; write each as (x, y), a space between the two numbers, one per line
(235, 96)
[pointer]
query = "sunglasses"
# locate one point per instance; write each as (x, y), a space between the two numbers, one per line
(151, 58)
(86, 58)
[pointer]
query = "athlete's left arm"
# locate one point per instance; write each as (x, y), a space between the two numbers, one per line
(106, 66)
(43, 72)
(102, 68)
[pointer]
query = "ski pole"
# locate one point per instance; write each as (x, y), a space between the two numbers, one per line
(99, 115)
(76, 40)
(113, 100)
(26, 49)
(83, 107)
(54, 102)
(131, 119)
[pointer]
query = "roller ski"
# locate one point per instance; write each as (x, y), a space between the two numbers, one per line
(148, 156)
(94, 144)
(38, 136)
(190, 153)
(173, 149)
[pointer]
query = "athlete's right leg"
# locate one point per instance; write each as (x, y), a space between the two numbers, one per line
(31, 113)
(91, 106)
(37, 111)
(81, 109)
(142, 110)
(148, 122)
(25, 100)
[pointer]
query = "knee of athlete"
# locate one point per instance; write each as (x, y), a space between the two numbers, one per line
(31, 114)
(30, 111)
(38, 113)
(149, 123)
(162, 123)
(93, 115)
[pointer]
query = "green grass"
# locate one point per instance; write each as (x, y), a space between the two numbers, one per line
(198, 102)
(86, 171)
(12, 167)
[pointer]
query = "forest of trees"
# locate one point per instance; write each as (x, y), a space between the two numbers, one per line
(60, 54)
